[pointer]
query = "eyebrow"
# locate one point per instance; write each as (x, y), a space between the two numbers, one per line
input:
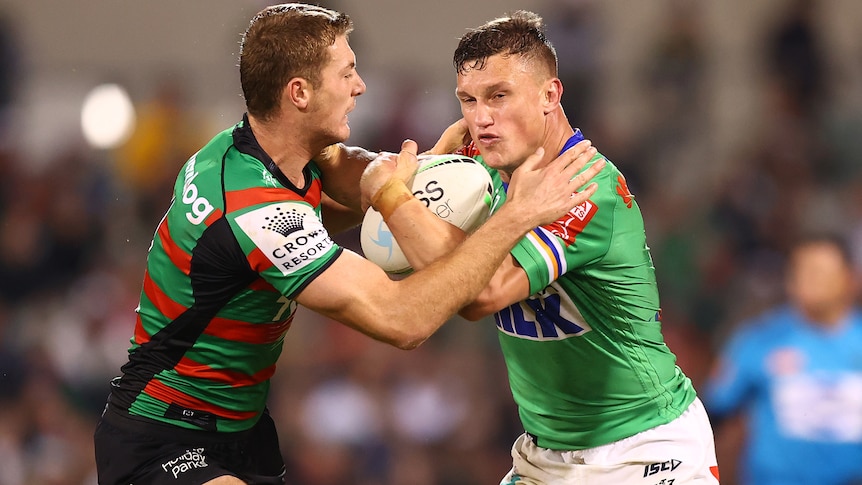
(348, 67)
(498, 86)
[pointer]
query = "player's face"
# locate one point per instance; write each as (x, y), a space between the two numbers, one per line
(819, 279)
(336, 95)
(504, 107)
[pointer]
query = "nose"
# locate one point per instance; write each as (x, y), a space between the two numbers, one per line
(482, 115)
(360, 86)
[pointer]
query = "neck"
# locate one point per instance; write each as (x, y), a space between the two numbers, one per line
(557, 134)
(829, 318)
(290, 153)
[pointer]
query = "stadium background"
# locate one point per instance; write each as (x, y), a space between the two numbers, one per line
(737, 123)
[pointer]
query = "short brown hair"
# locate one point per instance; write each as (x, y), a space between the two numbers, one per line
(283, 42)
(518, 33)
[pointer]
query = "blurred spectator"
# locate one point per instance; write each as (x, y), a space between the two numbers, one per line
(795, 57)
(796, 374)
(165, 136)
(675, 73)
(575, 27)
(10, 75)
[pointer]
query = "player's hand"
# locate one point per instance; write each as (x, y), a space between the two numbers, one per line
(546, 193)
(454, 137)
(388, 166)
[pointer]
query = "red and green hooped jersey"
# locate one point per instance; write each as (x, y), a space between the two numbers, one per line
(586, 359)
(237, 244)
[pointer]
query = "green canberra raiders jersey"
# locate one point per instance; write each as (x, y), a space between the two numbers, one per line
(236, 246)
(586, 359)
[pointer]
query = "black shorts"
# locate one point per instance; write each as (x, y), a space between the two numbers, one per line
(128, 452)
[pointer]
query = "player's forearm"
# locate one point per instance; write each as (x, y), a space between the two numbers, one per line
(338, 218)
(422, 236)
(342, 167)
(455, 280)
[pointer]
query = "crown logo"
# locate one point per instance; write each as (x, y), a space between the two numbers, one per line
(283, 222)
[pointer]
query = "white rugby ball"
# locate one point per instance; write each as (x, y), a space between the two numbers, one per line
(454, 187)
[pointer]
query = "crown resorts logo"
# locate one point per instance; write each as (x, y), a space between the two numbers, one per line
(290, 234)
(284, 223)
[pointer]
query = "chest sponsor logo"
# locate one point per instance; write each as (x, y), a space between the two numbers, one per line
(547, 315)
(290, 234)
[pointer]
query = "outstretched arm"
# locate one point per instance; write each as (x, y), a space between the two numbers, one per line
(423, 237)
(406, 312)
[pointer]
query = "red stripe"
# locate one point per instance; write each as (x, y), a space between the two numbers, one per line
(169, 395)
(181, 259)
(190, 368)
(227, 329)
(250, 333)
(214, 216)
(141, 335)
(261, 284)
(163, 303)
(258, 261)
(260, 195)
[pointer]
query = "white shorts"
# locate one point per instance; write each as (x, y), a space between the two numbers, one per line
(680, 452)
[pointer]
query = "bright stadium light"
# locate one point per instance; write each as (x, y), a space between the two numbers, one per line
(107, 116)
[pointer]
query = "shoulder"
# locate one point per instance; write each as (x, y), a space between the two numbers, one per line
(767, 327)
(856, 322)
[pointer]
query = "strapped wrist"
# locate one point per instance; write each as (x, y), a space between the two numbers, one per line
(390, 197)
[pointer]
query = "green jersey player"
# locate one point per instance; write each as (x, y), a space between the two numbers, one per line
(576, 303)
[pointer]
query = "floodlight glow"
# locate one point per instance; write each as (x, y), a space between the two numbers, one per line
(107, 116)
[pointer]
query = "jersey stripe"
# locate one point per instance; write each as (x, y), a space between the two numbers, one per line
(163, 303)
(141, 335)
(219, 327)
(258, 261)
(181, 259)
(547, 253)
(261, 195)
(162, 392)
(214, 216)
(261, 284)
(237, 331)
(556, 251)
(190, 368)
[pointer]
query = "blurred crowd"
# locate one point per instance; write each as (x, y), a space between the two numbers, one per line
(74, 236)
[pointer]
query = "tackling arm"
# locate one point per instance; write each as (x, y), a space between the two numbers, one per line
(342, 166)
(424, 237)
(406, 312)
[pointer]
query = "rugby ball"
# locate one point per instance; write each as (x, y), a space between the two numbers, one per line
(454, 187)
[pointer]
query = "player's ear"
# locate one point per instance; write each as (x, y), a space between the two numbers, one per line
(553, 94)
(297, 92)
